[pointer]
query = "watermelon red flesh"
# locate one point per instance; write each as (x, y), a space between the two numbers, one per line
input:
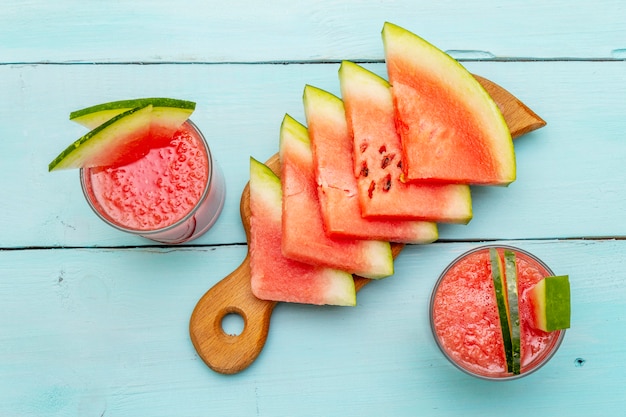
(378, 157)
(274, 277)
(332, 149)
(304, 237)
(451, 129)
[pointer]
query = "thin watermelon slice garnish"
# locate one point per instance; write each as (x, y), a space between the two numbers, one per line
(499, 285)
(168, 114)
(510, 272)
(93, 116)
(551, 303)
(452, 131)
(108, 143)
(123, 131)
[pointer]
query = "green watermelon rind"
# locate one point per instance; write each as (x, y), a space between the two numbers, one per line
(510, 272)
(497, 274)
(93, 116)
(350, 71)
(290, 128)
(423, 56)
(103, 140)
(265, 186)
(551, 302)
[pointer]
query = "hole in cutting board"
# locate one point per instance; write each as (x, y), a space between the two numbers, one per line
(233, 324)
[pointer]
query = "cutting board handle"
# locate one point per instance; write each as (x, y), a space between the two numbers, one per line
(222, 352)
(229, 354)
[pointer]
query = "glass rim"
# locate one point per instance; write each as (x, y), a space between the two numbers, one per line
(149, 232)
(536, 364)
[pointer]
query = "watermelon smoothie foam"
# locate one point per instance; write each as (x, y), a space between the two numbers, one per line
(171, 194)
(465, 322)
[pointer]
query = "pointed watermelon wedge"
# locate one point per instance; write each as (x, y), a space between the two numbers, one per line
(168, 114)
(107, 144)
(338, 192)
(378, 157)
(304, 237)
(274, 277)
(451, 129)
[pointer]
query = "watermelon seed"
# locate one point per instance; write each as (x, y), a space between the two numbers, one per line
(387, 160)
(364, 169)
(370, 191)
(387, 183)
(363, 147)
(382, 149)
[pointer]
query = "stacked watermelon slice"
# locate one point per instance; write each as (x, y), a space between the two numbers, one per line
(385, 163)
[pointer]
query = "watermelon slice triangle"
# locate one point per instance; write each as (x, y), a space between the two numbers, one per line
(451, 129)
(304, 236)
(274, 277)
(377, 152)
(338, 191)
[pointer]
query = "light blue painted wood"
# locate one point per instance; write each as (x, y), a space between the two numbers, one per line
(218, 31)
(104, 332)
(571, 169)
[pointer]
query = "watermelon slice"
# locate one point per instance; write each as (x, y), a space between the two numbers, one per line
(168, 114)
(338, 195)
(550, 299)
(304, 237)
(451, 129)
(378, 157)
(107, 144)
(510, 272)
(499, 285)
(274, 277)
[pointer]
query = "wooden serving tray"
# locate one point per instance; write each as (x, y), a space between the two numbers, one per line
(229, 354)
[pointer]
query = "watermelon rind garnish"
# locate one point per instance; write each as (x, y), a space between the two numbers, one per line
(274, 277)
(551, 303)
(93, 116)
(510, 272)
(452, 130)
(497, 274)
(103, 145)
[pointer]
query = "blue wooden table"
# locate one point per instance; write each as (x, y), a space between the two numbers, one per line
(94, 322)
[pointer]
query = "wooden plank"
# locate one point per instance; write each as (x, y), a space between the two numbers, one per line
(236, 31)
(104, 332)
(240, 108)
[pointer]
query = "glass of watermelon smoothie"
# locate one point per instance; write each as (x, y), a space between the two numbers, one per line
(170, 194)
(465, 322)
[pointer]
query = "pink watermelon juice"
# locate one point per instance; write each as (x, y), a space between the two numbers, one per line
(171, 194)
(465, 322)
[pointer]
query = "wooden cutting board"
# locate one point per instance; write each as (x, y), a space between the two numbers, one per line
(229, 354)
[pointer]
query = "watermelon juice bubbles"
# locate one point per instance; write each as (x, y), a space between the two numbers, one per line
(172, 194)
(465, 322)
